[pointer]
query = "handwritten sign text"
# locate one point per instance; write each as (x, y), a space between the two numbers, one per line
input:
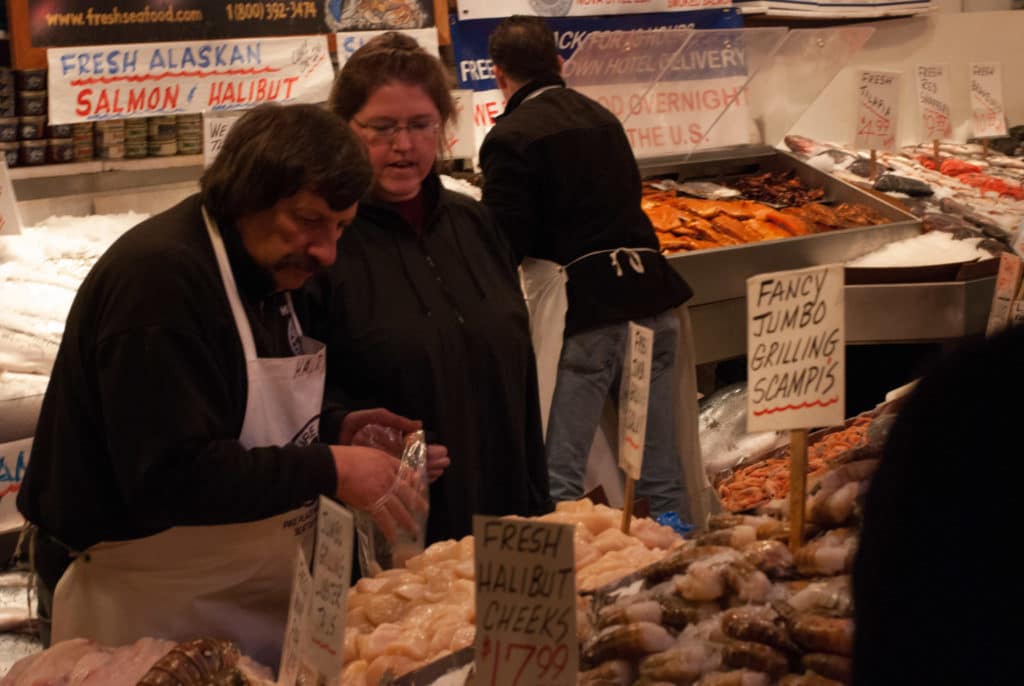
(877, 109)
(796, 344)
(933, 96)
(987, 111)
(525, 603)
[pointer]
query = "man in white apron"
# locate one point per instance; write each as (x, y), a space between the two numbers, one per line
(561, 179)
(178, 451)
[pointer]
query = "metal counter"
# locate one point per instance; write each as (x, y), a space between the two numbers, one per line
(882, 313)
(878, 313)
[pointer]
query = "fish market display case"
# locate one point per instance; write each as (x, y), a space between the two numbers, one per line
(779, 74)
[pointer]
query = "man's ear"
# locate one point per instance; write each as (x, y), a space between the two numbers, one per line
(499, 76)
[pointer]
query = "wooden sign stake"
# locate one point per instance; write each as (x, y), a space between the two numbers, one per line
(797, 486)
(935, 154)
(874, 164)
(984, 148)
(627, 507)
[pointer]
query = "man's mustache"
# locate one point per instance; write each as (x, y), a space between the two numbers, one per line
(301, 262)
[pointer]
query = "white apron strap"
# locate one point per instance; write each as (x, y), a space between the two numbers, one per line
(231, 289)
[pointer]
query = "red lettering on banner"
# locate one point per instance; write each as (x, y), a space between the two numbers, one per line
(261, 90)
(107, 102)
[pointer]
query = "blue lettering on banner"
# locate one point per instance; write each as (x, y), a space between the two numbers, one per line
(10, 480)
(475, 70)
(118, 62)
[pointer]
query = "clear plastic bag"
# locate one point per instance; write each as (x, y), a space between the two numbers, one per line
(411, 488)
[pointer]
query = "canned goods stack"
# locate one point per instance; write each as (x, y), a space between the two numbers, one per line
(136, 138)
(110, 139)
(163, 136)
(82, 140)
(30, 107)
(190, 134)
(60, 144)
(8, 118)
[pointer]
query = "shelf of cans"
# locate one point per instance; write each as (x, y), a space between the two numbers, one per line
(27, 138)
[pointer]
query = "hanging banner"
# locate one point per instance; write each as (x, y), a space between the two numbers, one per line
(364, 15)
(460, 142)
(56, 23)
(487, 9)
(933, 96)
(148, 79)
(474, 68)
(350, 41)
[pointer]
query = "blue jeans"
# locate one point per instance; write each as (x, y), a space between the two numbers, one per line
(589, 372)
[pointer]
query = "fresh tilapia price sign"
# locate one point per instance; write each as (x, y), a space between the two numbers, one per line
(878, 103)
(987, 111)
(933, 96)
(796, 349)
(525, 603)
(150, 79)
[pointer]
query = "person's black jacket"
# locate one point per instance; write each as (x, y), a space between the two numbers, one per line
(562, 182)
(936, 571)
(139, 425)
(434, 327)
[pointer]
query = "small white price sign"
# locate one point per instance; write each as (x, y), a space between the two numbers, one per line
(634, 393)
(878, 105)
(215, 129)
(332, 571)
(933, 97)
(987, 111)
(525, 603)
(796, 349)
(292, 655)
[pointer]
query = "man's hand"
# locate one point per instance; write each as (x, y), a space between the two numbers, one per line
(354, 421)
(366, 481)
(437, 461)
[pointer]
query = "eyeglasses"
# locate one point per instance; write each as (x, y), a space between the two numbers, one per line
(385, 131)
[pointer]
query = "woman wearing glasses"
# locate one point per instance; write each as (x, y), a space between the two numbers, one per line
(427, 314)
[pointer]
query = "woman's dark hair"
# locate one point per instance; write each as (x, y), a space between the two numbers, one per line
(275, 151)
(389, 57)
(524, 47)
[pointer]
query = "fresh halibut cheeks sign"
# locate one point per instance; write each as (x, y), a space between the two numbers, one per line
(151, 79)
(796, 344)
(525, 603)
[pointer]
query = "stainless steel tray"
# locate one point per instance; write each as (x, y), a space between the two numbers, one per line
(720, 273)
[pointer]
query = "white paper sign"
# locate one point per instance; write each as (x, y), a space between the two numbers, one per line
(13, 461)
(878, 108)
(350, 41)
(215, 129)
(486, 9)
(10, 217)
(634, 394)
(934, 97)
(461, 141)
(987, 111)
(525, 603)
(292, 655)
(796, 349)
(146, 79)
(1007, 284)
(332, 571)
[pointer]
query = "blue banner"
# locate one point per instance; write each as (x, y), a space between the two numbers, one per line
(469, 38)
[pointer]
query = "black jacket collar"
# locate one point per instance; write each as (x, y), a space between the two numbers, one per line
(535, 85)
(381, 212)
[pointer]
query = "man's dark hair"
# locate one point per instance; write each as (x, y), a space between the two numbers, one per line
(524, 47)
(275, 151)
